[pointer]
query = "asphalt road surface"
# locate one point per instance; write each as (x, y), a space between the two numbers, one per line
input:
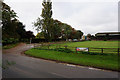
(18, 65)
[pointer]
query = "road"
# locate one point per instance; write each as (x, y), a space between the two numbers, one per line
(28, 67)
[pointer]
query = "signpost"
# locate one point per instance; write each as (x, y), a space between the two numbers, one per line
(30, 40)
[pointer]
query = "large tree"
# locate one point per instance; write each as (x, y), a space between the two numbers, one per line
(53, 29)
(29, 34)
(79, 34)
(21, 30)
(47, 16)
(66, 30)
(12, 28)
(38, 25)
(56, 29)
(40, 35)
(9, 22)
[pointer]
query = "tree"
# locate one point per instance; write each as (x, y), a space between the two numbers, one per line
(56, 29)
(40, 35)
(46, 15)
(9, 22)
(38, 25)
(79, 34)
(88, 35)
(12, 28)
(73, 34)
(53, 29)
(29, 34)
(21, 30)
(66, 30)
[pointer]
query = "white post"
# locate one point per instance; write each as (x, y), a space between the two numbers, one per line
(30, 40)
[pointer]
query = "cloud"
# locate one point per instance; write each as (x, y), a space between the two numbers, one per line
(27, 11)
(90, 17)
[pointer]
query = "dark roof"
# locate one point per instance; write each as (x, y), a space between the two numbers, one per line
(109, 33)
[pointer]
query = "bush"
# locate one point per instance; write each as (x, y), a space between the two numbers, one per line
(9, 41)
(105, 38)
(63, 50)
(92, 53)
(24, 40)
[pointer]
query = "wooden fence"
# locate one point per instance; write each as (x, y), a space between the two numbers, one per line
(90, 49)
(104, 50)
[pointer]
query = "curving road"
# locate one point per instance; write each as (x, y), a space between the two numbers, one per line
(28, 67)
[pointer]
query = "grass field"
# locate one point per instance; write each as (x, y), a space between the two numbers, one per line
(101, 61)
(91, 45)
(95, 44)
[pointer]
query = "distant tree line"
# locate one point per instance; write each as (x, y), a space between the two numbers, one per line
(53, 29)
(12, 29)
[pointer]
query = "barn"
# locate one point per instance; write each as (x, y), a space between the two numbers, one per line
(108, 36)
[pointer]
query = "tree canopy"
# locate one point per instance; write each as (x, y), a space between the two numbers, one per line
(11, 26)
(52, 29)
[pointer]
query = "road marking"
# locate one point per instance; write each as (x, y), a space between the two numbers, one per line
(71, 65)
(94, 68)
(84, 67)
(91, 68)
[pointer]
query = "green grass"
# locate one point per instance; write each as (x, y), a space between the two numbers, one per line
(95, 44)
(10, 46)
(101, 61)
(91, 45)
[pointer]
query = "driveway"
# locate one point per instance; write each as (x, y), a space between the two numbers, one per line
(29, 67)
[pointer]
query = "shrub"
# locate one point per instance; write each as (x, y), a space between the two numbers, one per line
(92, 53)
(63, 50)
(9, 41)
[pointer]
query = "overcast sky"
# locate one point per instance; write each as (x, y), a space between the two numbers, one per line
(89, 16)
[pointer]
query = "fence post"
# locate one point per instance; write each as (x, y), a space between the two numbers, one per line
(65, 47)
(88, 49)
(118, 51)
(48, 46)
(56, 46)
(102, 50)
(34, 45)
(76, 49)
(41, 44)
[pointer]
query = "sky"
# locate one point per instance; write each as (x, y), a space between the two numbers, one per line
(89, 16)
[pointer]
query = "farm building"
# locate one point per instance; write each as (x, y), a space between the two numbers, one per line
(108, 36)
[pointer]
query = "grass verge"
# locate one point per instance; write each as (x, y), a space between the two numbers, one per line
(100, 61)
(10, 46)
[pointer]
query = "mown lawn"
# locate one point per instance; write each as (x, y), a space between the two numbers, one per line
(101, 61)
(95, 44)
(90, 44)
